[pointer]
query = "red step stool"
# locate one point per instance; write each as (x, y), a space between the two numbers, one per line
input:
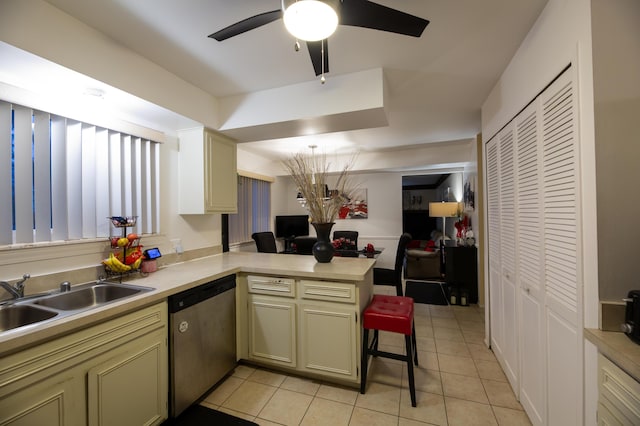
(393, 314)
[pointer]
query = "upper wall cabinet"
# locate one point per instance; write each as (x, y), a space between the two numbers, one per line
(208, 175)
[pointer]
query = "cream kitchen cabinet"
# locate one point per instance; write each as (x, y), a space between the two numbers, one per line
(54, 401)
(113, 373)
(272, 320)
(328, 340)
(129, 387)
(618, 395)
(307, 326)
(329, 328)
(272, 330)
(208, 175)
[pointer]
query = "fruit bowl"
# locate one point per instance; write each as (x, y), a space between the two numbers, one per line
(123, 221)
(121, 242)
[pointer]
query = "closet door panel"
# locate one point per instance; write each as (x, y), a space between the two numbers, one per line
(508, 237)
(530, 276)
(493, 225)
(562, 251)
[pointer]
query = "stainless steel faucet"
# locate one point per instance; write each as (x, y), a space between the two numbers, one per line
(16, 290)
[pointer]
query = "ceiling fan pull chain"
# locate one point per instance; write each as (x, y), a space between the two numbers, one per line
(297, 46)
(322, 79)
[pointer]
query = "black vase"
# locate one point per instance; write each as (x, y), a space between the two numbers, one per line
(323, 249)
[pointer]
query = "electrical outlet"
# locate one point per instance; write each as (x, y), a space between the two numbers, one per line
(177, 245)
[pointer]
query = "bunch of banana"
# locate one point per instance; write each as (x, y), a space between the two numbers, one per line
(115, 264)
(136, 264)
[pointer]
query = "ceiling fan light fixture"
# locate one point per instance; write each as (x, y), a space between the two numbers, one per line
(310, 20)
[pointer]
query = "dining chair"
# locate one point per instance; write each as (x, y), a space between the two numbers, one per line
(393, 277)
(265, 242)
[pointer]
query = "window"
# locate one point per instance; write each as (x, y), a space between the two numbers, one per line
(254, 209)
(60, 178)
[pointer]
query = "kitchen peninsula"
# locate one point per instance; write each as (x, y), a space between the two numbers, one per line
(292, 313)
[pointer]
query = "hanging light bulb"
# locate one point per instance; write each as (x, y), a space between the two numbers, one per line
(311, 20)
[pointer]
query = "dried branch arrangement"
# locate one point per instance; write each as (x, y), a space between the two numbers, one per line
(311, 175)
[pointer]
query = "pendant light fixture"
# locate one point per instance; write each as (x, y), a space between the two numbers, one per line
(310, 20)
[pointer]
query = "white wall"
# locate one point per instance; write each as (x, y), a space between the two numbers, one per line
(616, 75)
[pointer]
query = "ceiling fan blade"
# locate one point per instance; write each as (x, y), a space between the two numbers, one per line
(247, 24)
(315, 52)
(366, 14)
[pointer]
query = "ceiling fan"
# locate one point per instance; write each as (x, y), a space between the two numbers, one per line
(356, 13)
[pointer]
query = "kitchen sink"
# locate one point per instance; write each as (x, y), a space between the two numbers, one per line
(14, 316)
(34, 309)
(89, 295)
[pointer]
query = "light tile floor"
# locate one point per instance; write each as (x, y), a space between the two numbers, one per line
(458, 382)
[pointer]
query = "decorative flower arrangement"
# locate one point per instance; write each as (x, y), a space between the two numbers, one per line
(343, 244)
(464, 233)
(311, 175)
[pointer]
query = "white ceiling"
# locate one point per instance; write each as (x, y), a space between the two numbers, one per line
(434, 85)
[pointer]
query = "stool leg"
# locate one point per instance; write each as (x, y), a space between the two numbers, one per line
(415, 345)
(412, 385)
(375, 340)
(364, 359)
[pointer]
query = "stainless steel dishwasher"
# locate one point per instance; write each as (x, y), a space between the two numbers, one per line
(202, 340)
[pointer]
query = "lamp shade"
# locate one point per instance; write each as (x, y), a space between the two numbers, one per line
(311, 20)
(444, 209)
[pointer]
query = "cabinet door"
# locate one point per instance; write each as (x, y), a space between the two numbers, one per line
(607, 418)
(272, 330)
(221, 182)
(208, 176)
(131, 387)
(55, 401)
(329, 340)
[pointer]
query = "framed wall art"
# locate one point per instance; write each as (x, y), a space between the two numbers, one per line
(356, 207)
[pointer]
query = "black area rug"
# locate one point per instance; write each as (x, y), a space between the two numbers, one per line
(198, 415)
(427, 292)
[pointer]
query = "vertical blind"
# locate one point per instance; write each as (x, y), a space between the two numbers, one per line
(254, 209)
(60, 178)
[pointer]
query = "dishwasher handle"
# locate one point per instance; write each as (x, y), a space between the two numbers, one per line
(195, 295)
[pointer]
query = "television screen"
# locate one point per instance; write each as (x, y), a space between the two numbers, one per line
(292, 226)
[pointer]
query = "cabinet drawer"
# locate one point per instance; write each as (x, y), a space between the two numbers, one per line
(272, 285)
(619, 389)
(324, 290)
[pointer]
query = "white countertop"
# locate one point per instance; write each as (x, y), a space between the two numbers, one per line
(182, 276)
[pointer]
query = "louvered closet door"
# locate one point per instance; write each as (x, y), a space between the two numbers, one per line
(563, 282)
(493, 225)
(529, 253)
(507, 254)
